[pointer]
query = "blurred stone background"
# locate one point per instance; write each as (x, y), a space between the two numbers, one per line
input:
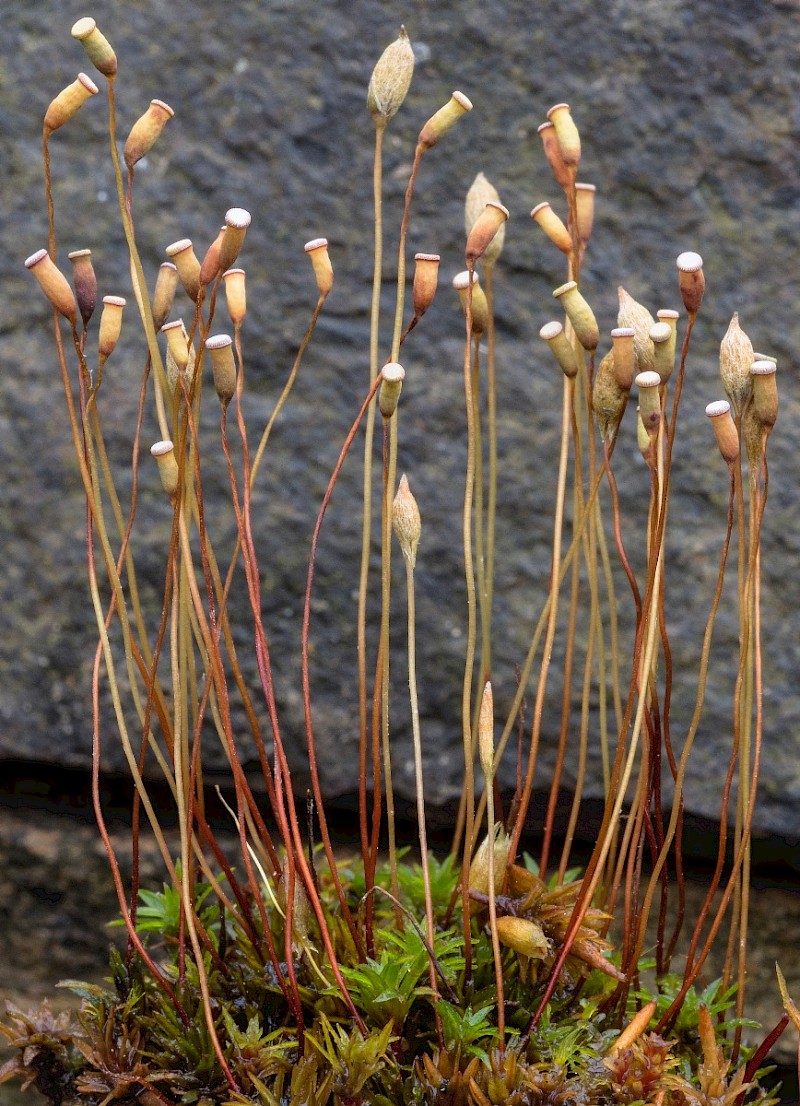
(690, 117)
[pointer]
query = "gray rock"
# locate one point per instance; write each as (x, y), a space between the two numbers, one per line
(689, 122)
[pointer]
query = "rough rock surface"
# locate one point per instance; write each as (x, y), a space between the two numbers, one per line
(690, 127)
